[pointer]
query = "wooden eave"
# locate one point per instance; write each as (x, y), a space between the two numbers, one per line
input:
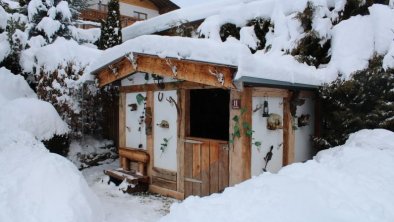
(187, 70)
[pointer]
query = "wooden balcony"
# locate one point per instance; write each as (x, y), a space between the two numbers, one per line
(96, 15)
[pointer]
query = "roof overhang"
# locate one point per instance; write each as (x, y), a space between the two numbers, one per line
(252, 81)
(217, 75)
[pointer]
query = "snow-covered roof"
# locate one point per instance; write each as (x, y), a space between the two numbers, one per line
(176, 18)
(353, 41)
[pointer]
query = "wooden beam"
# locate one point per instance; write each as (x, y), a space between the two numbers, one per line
(240, 150)
(191, 71)
(122, 124)
(149, 138)
(180, 151)
(269, 92)
(166, 192)
(134, 155)
(168, 86)
(246, 102)
(288, 134)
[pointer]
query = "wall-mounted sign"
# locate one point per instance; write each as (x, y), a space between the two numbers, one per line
(236, 104)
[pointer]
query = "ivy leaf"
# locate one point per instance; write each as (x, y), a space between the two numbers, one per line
(257, 143)
(243, 110)
(236, 118)
(249, 132)
(246, 125)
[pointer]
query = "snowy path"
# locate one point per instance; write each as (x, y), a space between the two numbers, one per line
(121, 207)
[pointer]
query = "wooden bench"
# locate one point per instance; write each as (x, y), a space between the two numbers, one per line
(138, 179)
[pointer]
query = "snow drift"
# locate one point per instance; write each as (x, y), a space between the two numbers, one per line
(353, 182)
(36, 185)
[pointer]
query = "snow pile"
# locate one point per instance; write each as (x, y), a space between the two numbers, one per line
(353, 182)
(37, 117)
(36, 184)
(40, 186)
(13, 86)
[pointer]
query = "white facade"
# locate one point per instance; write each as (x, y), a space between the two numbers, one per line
(303, 142)
(126, 9)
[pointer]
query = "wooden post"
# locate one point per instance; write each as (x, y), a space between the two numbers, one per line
(240, 150)
(150, 101)
(122, 122)
(181, 138)
(288, 133)
(125, 163)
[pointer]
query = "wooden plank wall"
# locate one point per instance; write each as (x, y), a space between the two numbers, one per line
(206, 167)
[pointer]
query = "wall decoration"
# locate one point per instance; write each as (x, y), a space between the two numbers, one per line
(172, 103)
(303, 120)
(174, 69)
(274, 122)
(265, 109)
(160, 96)
(132, 59)
(164, 144)
(267, 158)
(236, 103)
(133, 107)
(164, 124)
(159, 81)
(219, 76)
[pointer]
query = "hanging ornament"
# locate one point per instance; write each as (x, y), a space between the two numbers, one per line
(265, 109)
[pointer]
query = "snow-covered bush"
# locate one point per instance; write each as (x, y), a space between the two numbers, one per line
(366, 100)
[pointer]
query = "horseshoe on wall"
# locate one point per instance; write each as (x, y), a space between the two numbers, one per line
(160, 96)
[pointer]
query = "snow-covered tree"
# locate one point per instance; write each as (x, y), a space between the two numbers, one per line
(111, 29)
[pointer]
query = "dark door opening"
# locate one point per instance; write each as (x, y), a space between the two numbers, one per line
(209, 114)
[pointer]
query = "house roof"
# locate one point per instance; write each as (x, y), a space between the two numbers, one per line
(169, 5)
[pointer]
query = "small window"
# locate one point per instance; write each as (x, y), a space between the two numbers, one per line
(140, 15)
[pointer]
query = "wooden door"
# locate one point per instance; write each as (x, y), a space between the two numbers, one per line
(206, 166)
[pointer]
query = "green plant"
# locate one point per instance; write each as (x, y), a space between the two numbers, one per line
(237, 127)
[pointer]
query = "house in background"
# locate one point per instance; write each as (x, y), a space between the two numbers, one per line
(130, 10)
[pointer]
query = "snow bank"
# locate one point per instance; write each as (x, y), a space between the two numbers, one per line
(3, 18)
(34, 116)
(39, 186)
(13, 86)
(36, 185)
(353, 182)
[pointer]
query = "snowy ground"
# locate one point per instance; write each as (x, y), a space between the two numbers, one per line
(120, 207)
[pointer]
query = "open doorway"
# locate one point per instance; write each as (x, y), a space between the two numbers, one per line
(209, 114)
